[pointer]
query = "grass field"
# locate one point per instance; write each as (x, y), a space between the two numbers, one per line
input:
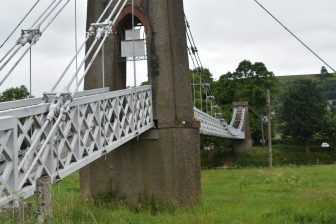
(283, 195)
(286, 155)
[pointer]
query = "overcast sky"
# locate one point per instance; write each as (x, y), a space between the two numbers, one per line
(226, 32)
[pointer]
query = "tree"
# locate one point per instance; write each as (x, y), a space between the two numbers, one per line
(15, 93)
(324, 74)
(303, 111)
(249, 82)
(324, 71)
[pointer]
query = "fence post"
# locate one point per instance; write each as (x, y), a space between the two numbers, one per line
(44, 207)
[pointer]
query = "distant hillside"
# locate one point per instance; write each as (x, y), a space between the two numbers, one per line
(288, 78)
(328, 86)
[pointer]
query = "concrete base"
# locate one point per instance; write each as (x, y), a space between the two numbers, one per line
(164, 169)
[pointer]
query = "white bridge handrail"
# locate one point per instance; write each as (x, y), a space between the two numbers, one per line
(214, 127)
(95, 124)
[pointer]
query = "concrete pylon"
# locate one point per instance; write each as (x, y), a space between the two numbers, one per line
(246, 144)
(164, 165)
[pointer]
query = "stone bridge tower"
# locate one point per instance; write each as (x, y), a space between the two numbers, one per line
(163, 165)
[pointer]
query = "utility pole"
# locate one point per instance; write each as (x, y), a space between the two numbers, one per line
(262, 131)
(269, 122)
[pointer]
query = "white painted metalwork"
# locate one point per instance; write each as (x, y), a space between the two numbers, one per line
(93, 126)
(215, 127)
(242, 119)
(132, 48)
(62, 132)
(234, 115)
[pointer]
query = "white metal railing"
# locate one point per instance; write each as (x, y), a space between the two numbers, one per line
(214, 127)
(93, 126)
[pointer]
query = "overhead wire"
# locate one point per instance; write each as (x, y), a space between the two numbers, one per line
(295, 36)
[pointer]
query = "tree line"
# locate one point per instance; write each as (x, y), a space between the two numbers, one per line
(301, 112)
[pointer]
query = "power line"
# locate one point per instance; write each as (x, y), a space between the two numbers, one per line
(295, 36)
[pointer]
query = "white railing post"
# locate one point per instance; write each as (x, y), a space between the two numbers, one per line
(64, 149)
(9, 186)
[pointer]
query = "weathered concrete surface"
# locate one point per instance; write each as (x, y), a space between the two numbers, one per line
(165, 168)
(149, 170)
(44, 198)
(246, 144)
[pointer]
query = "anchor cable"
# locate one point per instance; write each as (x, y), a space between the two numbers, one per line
(30, 36)
(19, 24)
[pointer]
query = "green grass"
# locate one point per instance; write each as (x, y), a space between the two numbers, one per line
(283, 195)
(285, 155)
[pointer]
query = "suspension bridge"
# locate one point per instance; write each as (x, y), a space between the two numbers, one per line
(140, 142)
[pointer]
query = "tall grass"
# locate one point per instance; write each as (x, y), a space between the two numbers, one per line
(254, 196)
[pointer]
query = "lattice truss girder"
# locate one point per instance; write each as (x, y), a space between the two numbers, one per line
(94, 126)
(214, 127)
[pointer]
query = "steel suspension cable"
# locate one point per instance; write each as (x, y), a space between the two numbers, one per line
(193, 50)
(19, 24)
(193, 75)
(32, 41)
(76, 38)
(118, 13)
(67, 88)
(91, 48)
(17, 45)
(103, 65)
(43, 13)
(14, 66)
(47, 15)
(81, 47)
(90, 63)
(102, 43)
(52, 111)
(30, 73)
(55, 16)
(7, 53)
(195, 56)
(105, 10)
(69, 65)
(198, 61)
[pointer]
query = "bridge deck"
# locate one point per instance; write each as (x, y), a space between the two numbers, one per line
(94, 126)
(97, 122)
